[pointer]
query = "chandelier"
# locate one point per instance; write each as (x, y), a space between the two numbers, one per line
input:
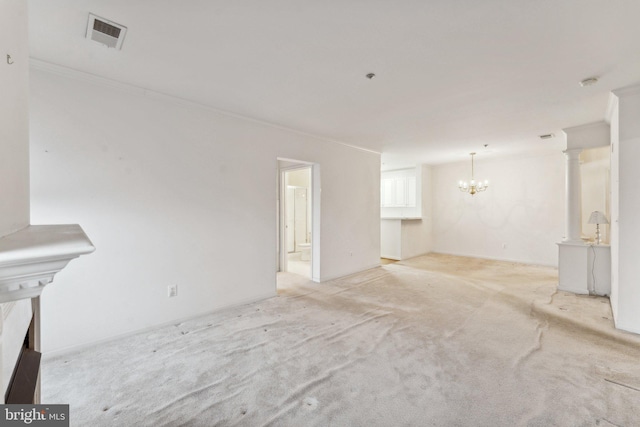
(473, 187)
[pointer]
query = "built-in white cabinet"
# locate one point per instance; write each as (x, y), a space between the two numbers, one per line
(586, 268)
(405, 225)
(398, 192)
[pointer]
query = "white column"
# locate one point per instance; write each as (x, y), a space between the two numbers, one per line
(573, 189)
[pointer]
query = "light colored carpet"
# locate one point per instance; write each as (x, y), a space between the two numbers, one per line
(436, 340)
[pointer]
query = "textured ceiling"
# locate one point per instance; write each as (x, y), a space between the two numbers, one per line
(451, 75)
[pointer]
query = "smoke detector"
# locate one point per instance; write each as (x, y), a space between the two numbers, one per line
(105, 32)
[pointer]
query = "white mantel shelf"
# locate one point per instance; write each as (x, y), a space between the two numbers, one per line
(29, 258)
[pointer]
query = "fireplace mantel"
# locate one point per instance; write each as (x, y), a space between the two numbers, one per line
(29, 258)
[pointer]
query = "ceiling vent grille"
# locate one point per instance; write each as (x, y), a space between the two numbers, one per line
(105, 32)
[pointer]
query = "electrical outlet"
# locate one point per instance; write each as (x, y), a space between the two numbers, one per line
(172, 291)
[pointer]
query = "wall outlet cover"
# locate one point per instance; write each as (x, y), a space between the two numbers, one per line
(172, 290)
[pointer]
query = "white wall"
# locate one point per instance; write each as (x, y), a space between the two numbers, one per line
(625, 289)
(519, 217)
(173, 193)
(417, 236)
(14, 132)
(14, 166)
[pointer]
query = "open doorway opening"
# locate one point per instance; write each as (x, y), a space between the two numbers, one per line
(298, 218)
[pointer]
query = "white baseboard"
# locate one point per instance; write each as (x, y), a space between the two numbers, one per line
(340, 276)
(71, 349)
(578, 291)
(627, 328)
(495, 259)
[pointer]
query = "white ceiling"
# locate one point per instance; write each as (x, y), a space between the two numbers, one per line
(451, 75)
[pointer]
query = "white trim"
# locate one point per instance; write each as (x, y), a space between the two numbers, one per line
(627, 329)
(612, 103)
(300, 163)
(31, 257)
(67, 350)
(41, 65)
(296, 167)
(495, 259)
(282, 230)
(340, 276)
(314, 186)
(577, 291)
(316, 218)
(627, 90)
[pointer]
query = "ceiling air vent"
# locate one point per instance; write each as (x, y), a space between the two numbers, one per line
(105, 32)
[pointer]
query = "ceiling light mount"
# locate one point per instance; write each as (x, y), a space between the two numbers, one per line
(370, 76)
(589, 81)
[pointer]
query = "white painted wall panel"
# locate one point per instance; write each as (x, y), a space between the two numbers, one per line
(628, 220)
(14, 165)
(14, 117)
(519, 218)
(173, 193)
(391, 238)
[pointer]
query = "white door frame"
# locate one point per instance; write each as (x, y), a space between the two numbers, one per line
(315, 216)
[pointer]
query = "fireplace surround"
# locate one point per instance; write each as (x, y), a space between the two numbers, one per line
(25, 381)
(29, 259)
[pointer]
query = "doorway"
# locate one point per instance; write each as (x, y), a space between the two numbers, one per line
(298, 218)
